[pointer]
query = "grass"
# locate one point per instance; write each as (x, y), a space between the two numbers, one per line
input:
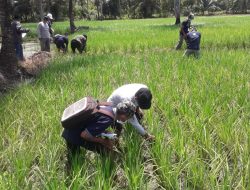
(200, 115)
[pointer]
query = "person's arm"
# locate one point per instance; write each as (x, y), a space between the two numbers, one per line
(22, 30)
(51, 31)
(66, 42)
(105, 142)
(55, 39)
(39, 30)
(95, 128)
(135, 123)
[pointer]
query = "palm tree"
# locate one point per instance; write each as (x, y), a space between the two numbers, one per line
(177, 11)
(8, 63)
(71, 17)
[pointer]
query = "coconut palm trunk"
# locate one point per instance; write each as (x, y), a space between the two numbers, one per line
(40, 8)
(71, 17)
(8, 60)
(177, 11)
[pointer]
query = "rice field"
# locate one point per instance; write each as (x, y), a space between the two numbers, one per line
(200, 113)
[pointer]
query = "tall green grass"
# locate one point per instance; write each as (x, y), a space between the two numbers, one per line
(200, 114)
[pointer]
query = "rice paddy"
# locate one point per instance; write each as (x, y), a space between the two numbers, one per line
(200, 113)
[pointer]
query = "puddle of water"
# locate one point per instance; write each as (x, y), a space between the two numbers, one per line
(29, 48)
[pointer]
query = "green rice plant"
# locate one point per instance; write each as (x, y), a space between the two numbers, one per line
(133, 162)
(199, 115)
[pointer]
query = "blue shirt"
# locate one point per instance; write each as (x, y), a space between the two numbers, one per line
(95, 127)
(193, 40)
(60, 39)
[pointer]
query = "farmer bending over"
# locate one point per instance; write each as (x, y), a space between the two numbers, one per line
(185, 25)
(61, 42)
(88, 134)
(193, 44)
(141, 96)
(79, 43)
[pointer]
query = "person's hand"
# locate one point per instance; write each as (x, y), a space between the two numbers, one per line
(108, 143)
(150, 138)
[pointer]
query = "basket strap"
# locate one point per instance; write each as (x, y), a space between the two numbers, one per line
(104, 103)
(105, 112)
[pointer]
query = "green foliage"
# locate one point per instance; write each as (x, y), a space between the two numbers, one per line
(200, 111)
(113, 9)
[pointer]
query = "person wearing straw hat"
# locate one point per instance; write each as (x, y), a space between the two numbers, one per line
(50, 21)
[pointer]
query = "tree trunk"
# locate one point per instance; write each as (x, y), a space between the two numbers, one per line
(71, 17)
(98, 11)
(177, 10)
(8, 63)
(244, 7)
(40, 8)
(119, 8)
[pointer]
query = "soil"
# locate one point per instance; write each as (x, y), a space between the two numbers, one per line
(35, 63)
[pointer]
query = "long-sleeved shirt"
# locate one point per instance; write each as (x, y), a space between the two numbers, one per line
(127, 93)
(17, 31)
(43, 30)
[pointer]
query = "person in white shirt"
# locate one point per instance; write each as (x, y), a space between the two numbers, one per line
(44, 34)
(141, 96)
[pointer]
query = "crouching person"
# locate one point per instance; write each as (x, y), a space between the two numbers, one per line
(193, 44)
(88, 135)
(61, 42)
(141, 97)
(79, 43)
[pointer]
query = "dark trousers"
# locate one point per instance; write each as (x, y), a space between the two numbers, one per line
(45, 44)
(180, 42)
(73, 150)
(19, 51)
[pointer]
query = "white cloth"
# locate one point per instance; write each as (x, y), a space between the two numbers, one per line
(43, 30)
(127, 93)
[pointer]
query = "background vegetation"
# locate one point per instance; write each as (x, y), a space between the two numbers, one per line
(200, 115)
(30, 10)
